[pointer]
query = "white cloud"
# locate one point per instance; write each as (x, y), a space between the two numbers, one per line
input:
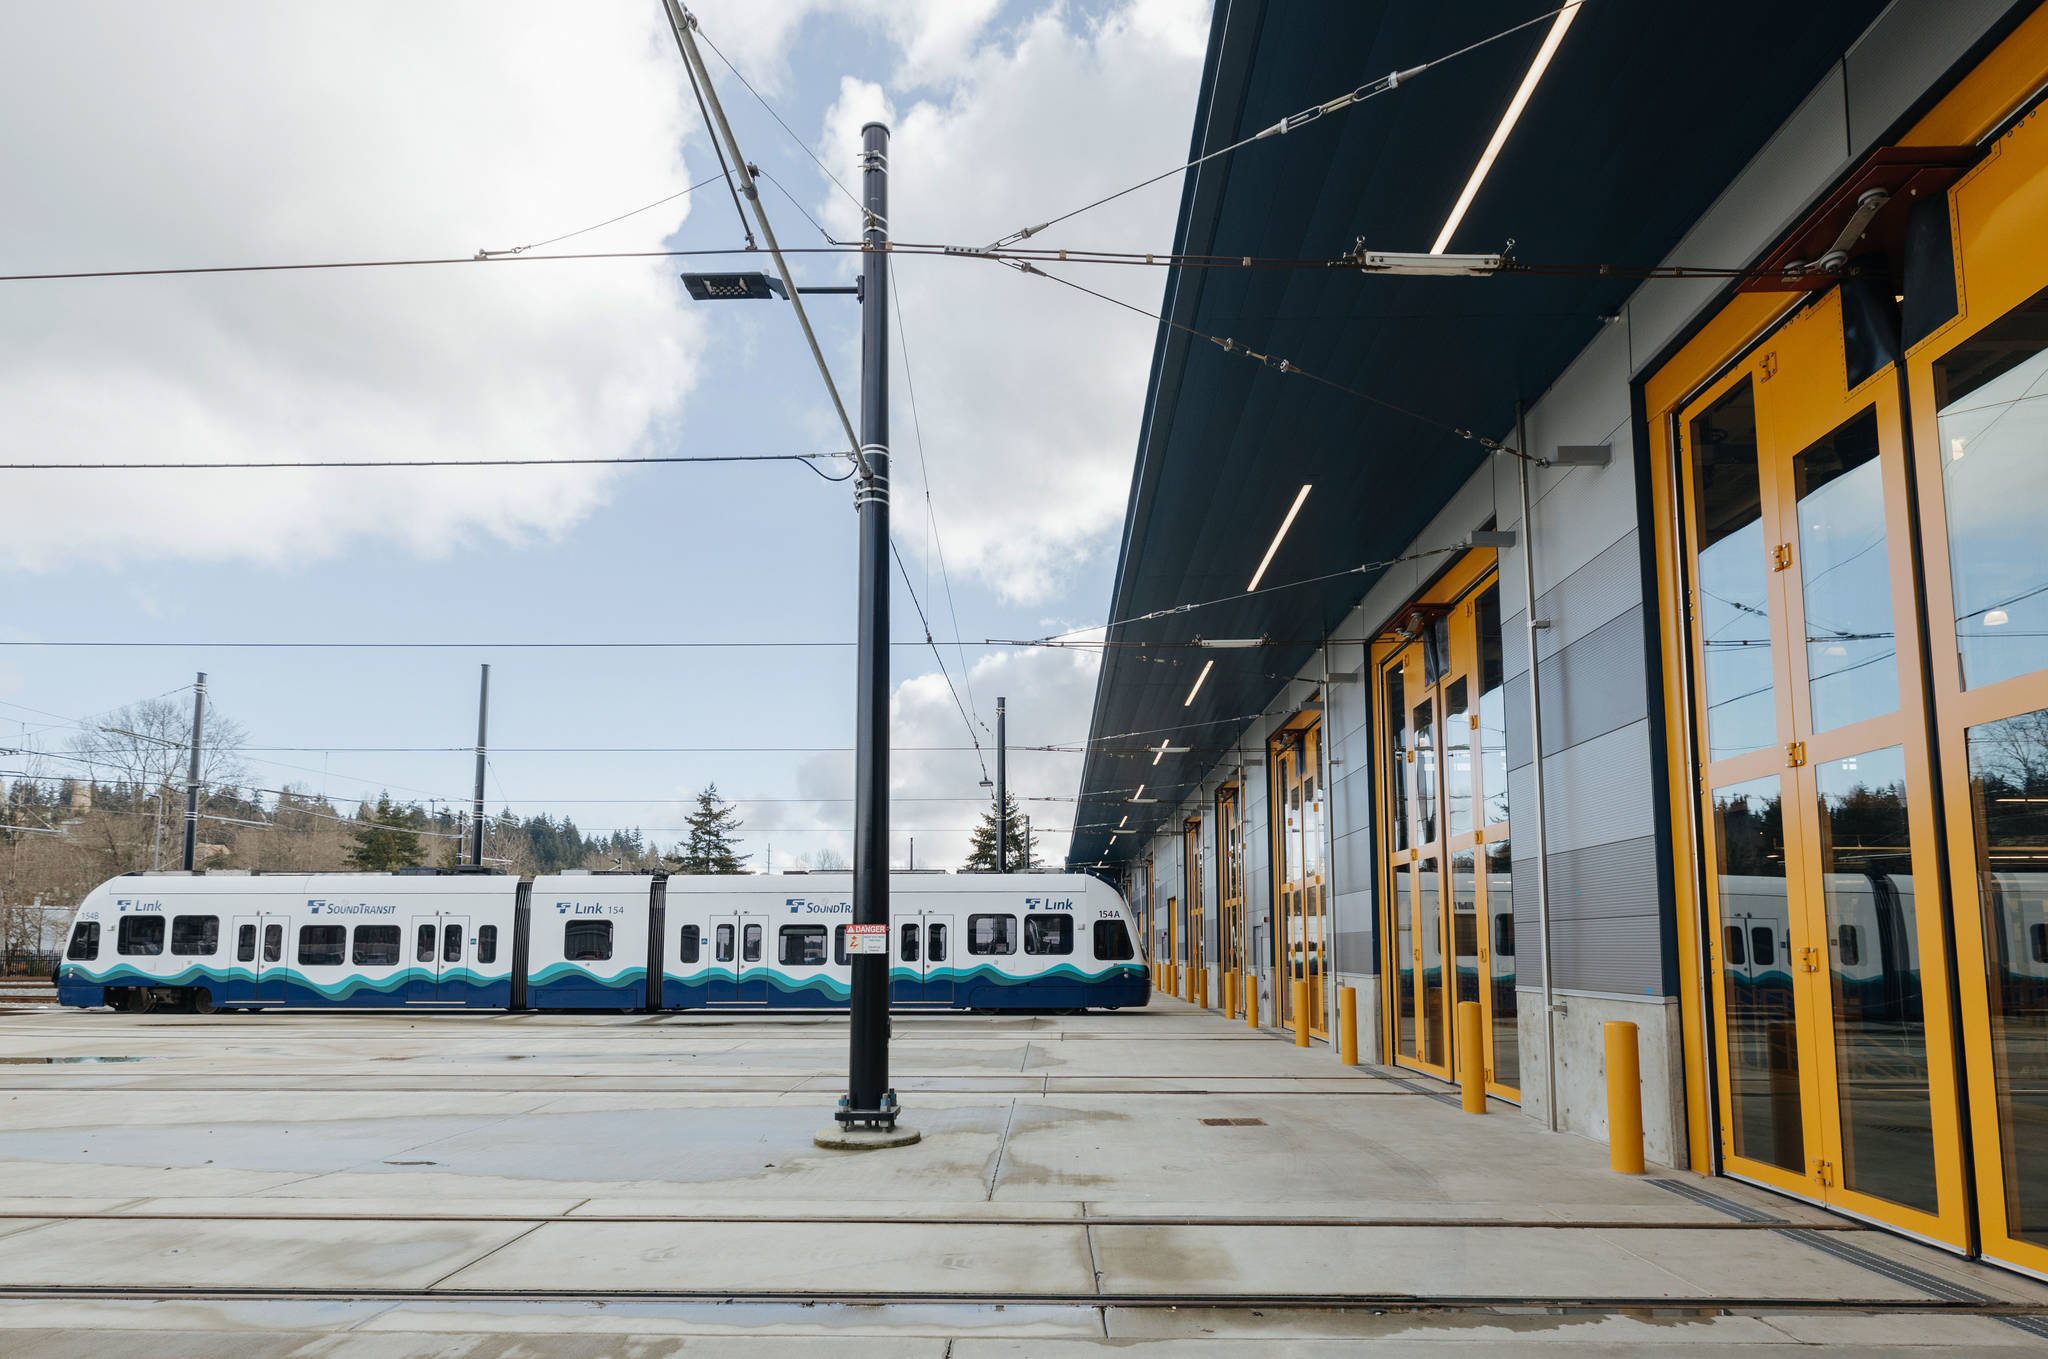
(1030, 393)
(1051, 694)
(263, 132)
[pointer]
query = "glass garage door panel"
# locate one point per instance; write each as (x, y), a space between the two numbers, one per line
(1500, 914)
(2009, 789)
(1845, 577)
(1756, 974)
(1880, 1021)
(1734, 584)
(1992, 395)
(1404, 958)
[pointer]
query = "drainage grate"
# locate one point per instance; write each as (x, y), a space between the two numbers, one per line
(1740, 1211)
(1233, 1122)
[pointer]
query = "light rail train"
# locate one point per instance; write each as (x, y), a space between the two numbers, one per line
(594, 941)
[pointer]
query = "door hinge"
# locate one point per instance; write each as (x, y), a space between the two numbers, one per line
(1809, 960)
(1824, 1171)
(1795, 754)
(1768, 366)
(1781, 557)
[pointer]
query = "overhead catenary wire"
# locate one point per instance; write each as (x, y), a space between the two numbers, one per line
(583, 231)
(331, 463)
(738, 75)
(1370, 90)
(1277, 364)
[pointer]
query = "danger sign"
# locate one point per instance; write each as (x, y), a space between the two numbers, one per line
(867, 939)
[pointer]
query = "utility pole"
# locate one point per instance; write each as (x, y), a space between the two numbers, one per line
(1027, 842)
(1002, 792)
(867, 1113)
(192, 773)
(483, 718)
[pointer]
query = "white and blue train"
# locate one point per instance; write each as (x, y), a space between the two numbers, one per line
(594, 941)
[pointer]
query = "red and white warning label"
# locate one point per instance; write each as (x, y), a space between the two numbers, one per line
(867, 939)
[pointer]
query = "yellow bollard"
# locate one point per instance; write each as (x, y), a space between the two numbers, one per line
(1301, 1014)
(1471, 1058)
(1347, 1025)
(1229, 994)
(1624, 1099)
(1251, 999)
(1202, 990)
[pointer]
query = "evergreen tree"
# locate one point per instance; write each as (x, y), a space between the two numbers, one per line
(981, 855)
(384, 838)
(714, 832)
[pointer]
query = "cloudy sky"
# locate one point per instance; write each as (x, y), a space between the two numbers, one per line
(144, 137)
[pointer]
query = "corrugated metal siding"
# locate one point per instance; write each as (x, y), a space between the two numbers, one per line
(1601, 589)
(1595, 793)
(1604, 926)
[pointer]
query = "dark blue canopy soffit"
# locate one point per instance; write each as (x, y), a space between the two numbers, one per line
(1643, 117)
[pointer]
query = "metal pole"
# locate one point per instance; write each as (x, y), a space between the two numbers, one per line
(1536, 760)
(192, 773)
(483, 719)
(869, 1102)
(1002, 792)
(1027, 842)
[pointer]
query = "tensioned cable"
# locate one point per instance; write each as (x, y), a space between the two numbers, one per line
(918, 604)
(408, 462)
(930, 513)
(583, 231)
(1280, 365)
(857, 204)
(1370, 90)
(711, 131)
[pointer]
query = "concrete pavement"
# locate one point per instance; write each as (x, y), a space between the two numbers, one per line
(428, 1184)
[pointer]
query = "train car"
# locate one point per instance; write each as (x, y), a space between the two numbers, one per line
(593, 941)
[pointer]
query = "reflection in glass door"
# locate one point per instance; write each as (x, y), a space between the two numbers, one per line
(1230, 951)
(1834, 1074)
(1450, 916)
(1299, 925)
(1191, 867)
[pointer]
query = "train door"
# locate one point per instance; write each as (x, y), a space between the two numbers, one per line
(1835, 1067)
(440, 947)
(739, 976)
(258, 975)
(936, 966)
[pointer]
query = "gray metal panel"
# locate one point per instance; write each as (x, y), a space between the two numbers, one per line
(1605, 587)
(1606, 925)
(1593, 686)
(1904, 52)
(1595, 793)
(1355, 954)
(1352, 859)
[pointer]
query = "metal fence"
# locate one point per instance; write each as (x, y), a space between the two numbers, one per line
(27, 964)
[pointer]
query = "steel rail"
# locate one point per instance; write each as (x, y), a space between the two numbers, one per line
(808, 1220)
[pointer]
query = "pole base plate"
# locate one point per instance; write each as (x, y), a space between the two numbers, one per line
(840, 1137)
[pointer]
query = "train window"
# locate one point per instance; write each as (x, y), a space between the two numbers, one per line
(273, 943)
(725, 943)
(1112, 941)
(85, 940)
(195, 935)
(425, 953)
(908, 935)
(839, 945)
(245, 944)
(2037, 934)
(321, 945)
(451, 943)
(377, 945)
(1848, 952)
(1731, 945)
(1504, 934)
(587, 941)
(991, 934)
(141, 935)
(1760, 945)
(935, 942)
(691, 945)
(487, 944)
(802, 945)
(750, 944)
(1048, 934)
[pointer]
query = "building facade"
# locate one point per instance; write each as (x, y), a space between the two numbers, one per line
(1664, 639)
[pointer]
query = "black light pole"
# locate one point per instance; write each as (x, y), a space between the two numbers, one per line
(1002, 787)
(869, 1103)
(483, 718)
(192, 774)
